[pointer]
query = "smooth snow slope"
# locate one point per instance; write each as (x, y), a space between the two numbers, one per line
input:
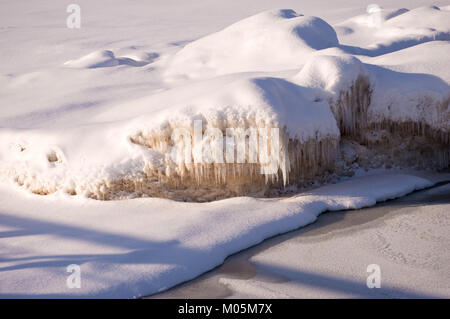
(142, 246)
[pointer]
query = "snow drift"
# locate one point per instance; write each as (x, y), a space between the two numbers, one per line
(269, 41)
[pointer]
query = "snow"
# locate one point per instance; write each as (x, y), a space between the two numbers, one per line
(330, 73)
(142, 246)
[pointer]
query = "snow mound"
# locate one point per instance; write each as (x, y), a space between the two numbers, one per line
(269, 41)
(144, 246)
(306, 128)
(278, 81)
(344, 83)
(430, 18)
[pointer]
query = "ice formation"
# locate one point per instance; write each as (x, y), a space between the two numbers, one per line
(334, 107)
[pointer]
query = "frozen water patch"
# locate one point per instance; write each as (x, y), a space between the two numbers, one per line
(143, 246)
(269, 41)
